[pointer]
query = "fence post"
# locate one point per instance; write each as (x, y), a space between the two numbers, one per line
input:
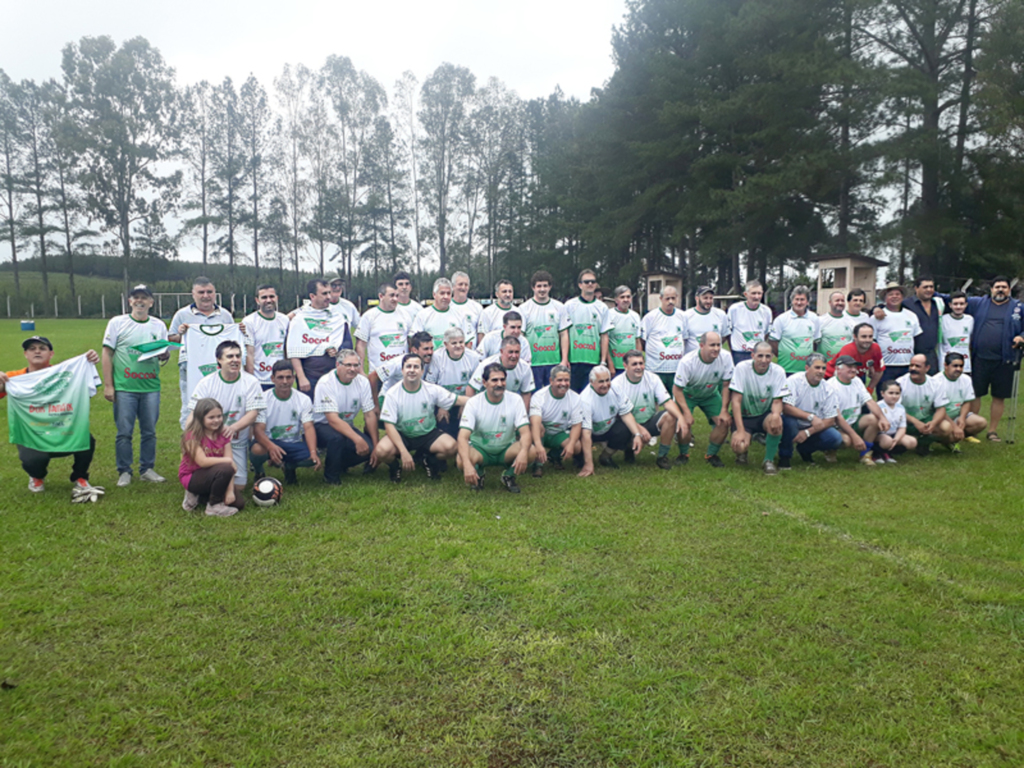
(160, 305)
(245, 304)
(33, 309)
(124, 310)
(79, 305)
(56, 313)
(103, 305)
(8, 305)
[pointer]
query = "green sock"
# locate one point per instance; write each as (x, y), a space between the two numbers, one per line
(479, 468)
(509, 471)
(662, 450)
(713, 449)
(771, 446)
(684, 448)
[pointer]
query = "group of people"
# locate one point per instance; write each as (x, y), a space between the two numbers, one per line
(523, 386)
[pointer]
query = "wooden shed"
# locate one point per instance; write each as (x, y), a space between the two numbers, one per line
(844, 272)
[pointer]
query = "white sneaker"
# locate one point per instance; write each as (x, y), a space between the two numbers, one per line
(190, 502)
(124, 479)
(150, 476)
(220, 510)
(35, 485)
(830, 457)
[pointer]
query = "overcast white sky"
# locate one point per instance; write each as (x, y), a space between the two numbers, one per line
(532, 45)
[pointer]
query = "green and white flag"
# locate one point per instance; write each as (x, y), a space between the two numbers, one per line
(49, 410)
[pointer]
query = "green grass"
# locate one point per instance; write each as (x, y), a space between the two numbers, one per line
(839, 616)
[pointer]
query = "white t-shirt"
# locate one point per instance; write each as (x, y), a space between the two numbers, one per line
(412, 413)
(541, 325)
(121, 337)
(313, 331)
(557, 414)
(490, 344)
(389, 374)
(850, 397)
(820, 400)
(895, 335)
(645, 395)
(957, 392)
(698, 323)
(518, 380)
(896, 416)
(285, 419)
(346, 400)
(922, 400)
(492, 318)
(236, 398)
(796, 335)
(494, 426)
(601, 411)
(435, 322)
(203, 341)
(385, 333)
(191, 316)
(749, 326)
(411, 309)
(836, 332)
(700, 380)
(623, 335)
(758, 390)
(453, 375)
(664, 338)
(472, 310)
(266, 337)
(955, 336)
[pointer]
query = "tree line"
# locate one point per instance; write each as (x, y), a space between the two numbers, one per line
(736, 139)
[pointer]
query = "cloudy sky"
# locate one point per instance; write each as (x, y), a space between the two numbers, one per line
(532, 45)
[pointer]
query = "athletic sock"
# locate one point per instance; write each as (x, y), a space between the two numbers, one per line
(509, 471)
(684, 449)
(663, 450)
(713, 449)
(771, 446)
(867, 448)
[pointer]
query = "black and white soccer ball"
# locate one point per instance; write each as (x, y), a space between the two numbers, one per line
(267, 492)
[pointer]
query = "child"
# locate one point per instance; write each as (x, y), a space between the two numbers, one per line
(205, 471)
(896, 440)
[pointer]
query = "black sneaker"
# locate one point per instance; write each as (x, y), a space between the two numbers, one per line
(607, 461)
(556, 460)
(442, 466)
(663, 462)
(683, 458)
(577, 460)
(714, 461)
(430, 466)
(628, 456)
(479, 481)
(289, 476)
(395, 471)
(258, 475)
(538, 470)
(923, 449)
(785, 462)
(509, 481)
(367, 469)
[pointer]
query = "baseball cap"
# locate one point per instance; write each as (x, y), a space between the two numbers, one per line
(704, 289)
(141, 289)
(337, 281)
(845, 360)
(34, 340)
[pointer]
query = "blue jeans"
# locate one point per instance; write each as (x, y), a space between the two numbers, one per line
(129, 407)
(542, 375)
(738, 356)
(296, 454)
(827, 440)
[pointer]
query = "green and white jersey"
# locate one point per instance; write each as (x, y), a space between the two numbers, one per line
(623, 334)
(490, 344)
(542, 323)
(957, 392)
(493, 318)
(850, 397)
(748, 326)
(700, 380)
(388, 375)
(266, 336)
(836, 333)
(698, 323)
(386, 335)
(856, 320)
(557, 414)
(285, 419)
(236, 398)
(895, 335)
(191, 316)
(955, 336)
(664, 339)
(494, 426)
(123, 334)
(48, 410)
(796, 335)
(202, 342)
(820, 399)
(453, 375)
(342, 307)
(346, 400)
(589, 322)
(922, 400)
(518, 380)
(412, 412)
(471, 310)
(411, 310)
(435, 322)
(758, 389)
(601, 411)
(645, 395)
(312, 332)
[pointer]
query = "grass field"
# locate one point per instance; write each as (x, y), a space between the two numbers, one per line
(835, 616)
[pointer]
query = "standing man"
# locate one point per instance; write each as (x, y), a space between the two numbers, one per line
(704, 317)
(403, 283)
(266, 332)
(339, 304)
(757, 388)
(383, 330)
(240, 397)
(794, 334)
(608, 418)
(855, 301)
(546, 324)
(512, 325)
(518, 375)
(624, 334)
(836, 326)
(896, 329)
(929, 308)
(440, 316)
(589, 335)
(865, 353)
(452, 367)
(338, 399)
(556, 421)
(470, 308)
(132, 386)
(646, 392)
(859, 431)
(960, 393)
(490, 318)
(488, 433)
(663, 335)
(925, 401)
(315, 335)
(702, 381)
(956, 328)
(998, 329)
(284, 431)
(810, 411)
(749, 322)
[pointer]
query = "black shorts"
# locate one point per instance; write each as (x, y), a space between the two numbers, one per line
(991, 373)
(651, 425)
(423, 442)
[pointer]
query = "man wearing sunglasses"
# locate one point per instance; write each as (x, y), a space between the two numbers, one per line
(588, 336)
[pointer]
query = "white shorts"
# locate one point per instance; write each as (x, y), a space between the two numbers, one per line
(240, 454)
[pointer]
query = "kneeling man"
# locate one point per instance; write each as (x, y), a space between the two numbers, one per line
(809, 414)
(859, 430)
(284, 431)
(960, 392)
(556, 420)
(646, 392)
(925, 401)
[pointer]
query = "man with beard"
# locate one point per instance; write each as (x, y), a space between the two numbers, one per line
(266, 331)
(704, 317)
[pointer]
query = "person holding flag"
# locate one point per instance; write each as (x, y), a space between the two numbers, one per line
(315, 335)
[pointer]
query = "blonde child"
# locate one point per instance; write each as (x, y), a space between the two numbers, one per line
(205, 471)
(896, 440)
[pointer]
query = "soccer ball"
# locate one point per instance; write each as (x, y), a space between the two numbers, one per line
(267, 492)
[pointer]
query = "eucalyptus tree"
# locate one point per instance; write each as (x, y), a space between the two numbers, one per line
(10, 159)
(256, 126)
(197, 144)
